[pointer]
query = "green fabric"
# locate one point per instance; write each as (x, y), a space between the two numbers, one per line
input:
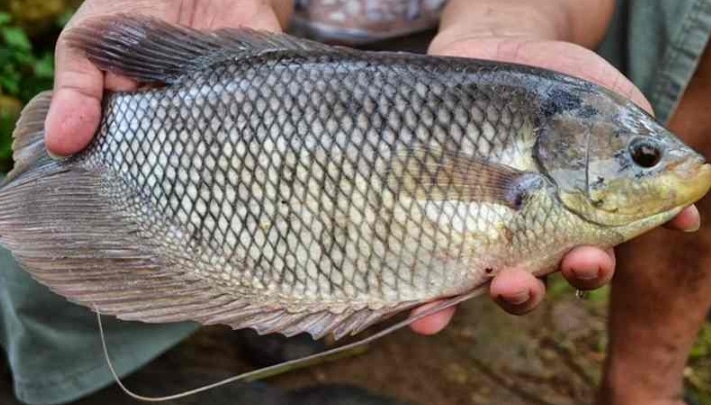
(658, 44)
(53, 346)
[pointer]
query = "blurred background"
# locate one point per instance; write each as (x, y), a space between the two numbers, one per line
(28, 30)
(551, 357)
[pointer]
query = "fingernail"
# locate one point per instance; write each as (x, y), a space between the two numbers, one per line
(55, 156)
(518, 299)
(587, 274)
(694, 229)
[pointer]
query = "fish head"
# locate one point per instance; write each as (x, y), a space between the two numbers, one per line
(614, 164)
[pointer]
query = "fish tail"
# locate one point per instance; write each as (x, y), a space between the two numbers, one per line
(31, 160)
(60, 228)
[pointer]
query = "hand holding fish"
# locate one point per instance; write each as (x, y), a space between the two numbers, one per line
(79, 85)
(530, 34)
(76, 111)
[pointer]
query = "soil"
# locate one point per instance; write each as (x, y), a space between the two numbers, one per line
(549, 357)
(552, 356)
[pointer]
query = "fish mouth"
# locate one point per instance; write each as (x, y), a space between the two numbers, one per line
(689, 182)
(695, 181)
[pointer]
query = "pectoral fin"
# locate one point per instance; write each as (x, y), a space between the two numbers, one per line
(443, 175)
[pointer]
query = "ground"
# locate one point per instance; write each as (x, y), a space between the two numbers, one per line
(485, 357)
(552, 356)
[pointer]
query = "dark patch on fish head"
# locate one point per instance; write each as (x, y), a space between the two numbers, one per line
(612, 162)
(561, 101)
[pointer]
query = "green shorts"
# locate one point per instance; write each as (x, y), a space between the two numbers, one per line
(53, 346)
(658, 44)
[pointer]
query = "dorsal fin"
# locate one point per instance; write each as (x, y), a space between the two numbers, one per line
(154, 51)
(28, 149)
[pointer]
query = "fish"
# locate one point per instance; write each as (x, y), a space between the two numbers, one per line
(264, 181)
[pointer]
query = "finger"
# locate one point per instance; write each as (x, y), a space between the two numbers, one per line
(257, 14)
(517, 291)
(530, 34)
(75, 111)
(434, 323)
(588, 268)
(76, 104)
(688, 220)
(562, 57)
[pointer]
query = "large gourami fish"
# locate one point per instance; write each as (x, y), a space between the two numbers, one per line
(265, 181)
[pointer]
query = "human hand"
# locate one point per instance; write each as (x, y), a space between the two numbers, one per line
(520, 33)
(75, 112)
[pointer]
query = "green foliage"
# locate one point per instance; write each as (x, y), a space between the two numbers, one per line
(703, 344)
(698, 375)
(26, 68)
(558, 288)
(24, 71)
(7, 123)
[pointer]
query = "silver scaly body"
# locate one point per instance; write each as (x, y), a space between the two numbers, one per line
(269, 182)
(282, 179)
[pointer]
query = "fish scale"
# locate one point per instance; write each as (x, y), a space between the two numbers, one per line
(269, 182)
(292, 219)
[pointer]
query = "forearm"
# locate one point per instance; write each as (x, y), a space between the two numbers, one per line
(583, 22)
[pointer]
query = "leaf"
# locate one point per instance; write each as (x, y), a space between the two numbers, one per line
(10, 80)
(5, 58)
(15, 37)
(32, 85)
(7, 124)
(23, 58)
(702, 348)
(5, 18)
(44, 67)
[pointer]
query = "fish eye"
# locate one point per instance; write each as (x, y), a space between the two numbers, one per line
(645, 152)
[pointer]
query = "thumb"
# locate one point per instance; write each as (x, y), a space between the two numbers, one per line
(75, 111)
(528, 34)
